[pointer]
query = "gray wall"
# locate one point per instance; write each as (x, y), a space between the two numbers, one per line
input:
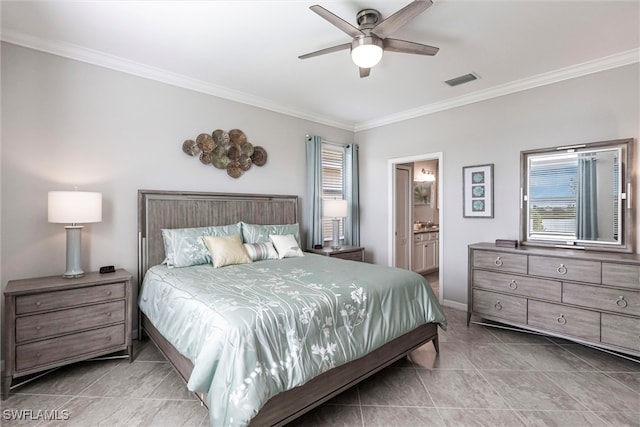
(597, 107)
(67, 123)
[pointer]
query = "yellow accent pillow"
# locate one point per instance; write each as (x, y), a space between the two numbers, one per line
(226, 250)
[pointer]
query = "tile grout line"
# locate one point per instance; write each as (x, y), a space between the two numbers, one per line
(429, 393)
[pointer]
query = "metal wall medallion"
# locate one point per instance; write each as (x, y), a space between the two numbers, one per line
(230, 151)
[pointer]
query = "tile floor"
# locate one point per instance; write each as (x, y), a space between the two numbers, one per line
(482, 377)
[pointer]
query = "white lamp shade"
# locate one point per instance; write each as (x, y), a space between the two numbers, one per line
(74, 207)
(335, 208)
(366, 55)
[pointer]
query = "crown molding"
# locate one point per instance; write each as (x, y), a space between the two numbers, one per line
(112, 62)
(609, 62)
(79, 53)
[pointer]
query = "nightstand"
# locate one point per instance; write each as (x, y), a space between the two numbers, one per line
(51, 321)
(353, 253)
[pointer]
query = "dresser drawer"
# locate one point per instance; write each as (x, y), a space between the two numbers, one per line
(566, 320)
(63, 321)
(620, 330)
(565, 269)
(351, 256)
(58, 349)
(501, 261)
(622, 275)
(501, 306)
(518, 285)
(68, 298)
(601, 298)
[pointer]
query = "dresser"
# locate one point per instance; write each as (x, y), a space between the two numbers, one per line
(585, 296)
(352, 253)
(51, 321)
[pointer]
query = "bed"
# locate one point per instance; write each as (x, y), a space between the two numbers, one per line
(277, 337)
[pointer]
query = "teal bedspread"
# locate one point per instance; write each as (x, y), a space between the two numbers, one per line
(254, 330)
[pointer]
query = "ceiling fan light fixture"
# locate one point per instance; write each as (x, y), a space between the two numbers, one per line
(366, 51)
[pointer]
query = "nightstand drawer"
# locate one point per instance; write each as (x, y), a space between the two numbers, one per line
(58, 349)
(351, 256)
(517, 285)
(64, 321)
(498, 305)
(566, 320)
(68, 298)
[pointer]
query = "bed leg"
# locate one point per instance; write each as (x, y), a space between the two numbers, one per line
(436, 344)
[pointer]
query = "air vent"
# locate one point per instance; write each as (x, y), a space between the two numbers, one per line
(461, 79)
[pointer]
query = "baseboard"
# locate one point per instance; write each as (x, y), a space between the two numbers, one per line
(454, 304)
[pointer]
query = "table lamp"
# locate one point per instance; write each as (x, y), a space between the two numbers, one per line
(335, 209)
(74, 207)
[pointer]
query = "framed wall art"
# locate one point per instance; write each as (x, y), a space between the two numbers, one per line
(477, 191)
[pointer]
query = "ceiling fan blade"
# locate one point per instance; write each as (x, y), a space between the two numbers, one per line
(364, 72)
(337, 21)
(400, 18)
(326, 50)
(403, 46)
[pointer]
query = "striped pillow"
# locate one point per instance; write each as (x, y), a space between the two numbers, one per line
(259, 251)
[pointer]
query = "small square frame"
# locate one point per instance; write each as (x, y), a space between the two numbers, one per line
(477, 191)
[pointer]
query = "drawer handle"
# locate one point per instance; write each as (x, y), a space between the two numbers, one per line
(108, 338)
(562, 269)
(561, 320)
(498, 306)
(498, 262)
(38, 303)
(621, 302)
(38, 354)
(108, 293)
(109, 314)
(513, 285)
(38, 327)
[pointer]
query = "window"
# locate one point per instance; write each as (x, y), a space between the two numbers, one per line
(552, 196)
(332, 183)
(554, 185)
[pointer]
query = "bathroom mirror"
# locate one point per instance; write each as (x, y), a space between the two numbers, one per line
(578, 196)
(422, 194)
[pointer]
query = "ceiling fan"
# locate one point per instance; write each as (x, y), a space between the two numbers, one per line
(370, 37)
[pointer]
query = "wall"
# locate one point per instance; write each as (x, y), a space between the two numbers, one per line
(596, 107)
(67, 123)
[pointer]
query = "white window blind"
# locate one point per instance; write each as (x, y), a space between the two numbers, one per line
(553, 205)
(332, 182)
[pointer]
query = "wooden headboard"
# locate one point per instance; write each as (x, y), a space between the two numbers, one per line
(183, 209)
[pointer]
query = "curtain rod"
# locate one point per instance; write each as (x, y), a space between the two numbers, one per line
(337, 144)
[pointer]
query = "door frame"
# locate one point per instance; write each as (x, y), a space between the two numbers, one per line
(391, 186)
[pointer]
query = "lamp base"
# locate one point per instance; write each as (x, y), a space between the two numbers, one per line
(335, 242)
(74, 241)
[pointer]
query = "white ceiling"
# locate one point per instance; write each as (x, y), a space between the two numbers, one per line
(247, 50)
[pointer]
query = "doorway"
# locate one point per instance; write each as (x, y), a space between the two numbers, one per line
(397, 211)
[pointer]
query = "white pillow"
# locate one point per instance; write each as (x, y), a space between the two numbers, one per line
(286, 245)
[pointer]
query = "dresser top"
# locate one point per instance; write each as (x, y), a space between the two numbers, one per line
(589, 255)
(54, 283)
